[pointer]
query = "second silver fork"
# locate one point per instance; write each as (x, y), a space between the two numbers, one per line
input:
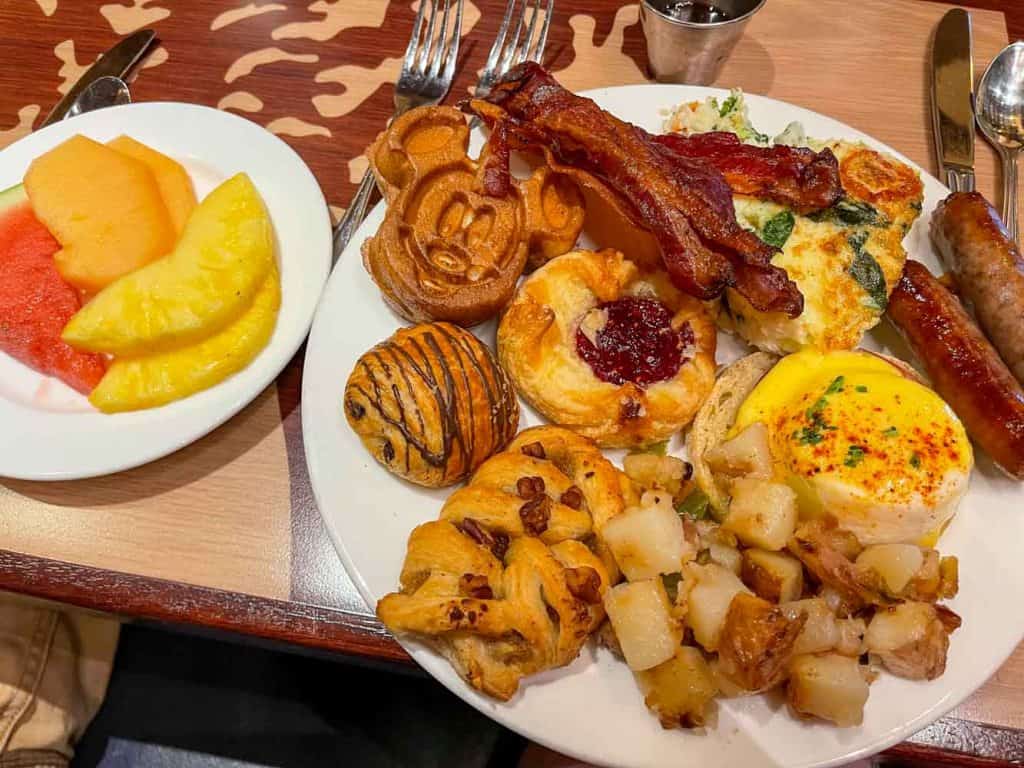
(508, 52)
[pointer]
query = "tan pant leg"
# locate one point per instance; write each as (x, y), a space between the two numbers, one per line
(54, 668)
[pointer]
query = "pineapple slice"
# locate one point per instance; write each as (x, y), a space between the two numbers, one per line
(648, 541)
(205, 284)
(641, 617)
(146, 382)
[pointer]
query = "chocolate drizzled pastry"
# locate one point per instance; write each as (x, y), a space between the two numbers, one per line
(431, 403)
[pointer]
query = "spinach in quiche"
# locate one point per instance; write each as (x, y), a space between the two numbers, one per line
(778, 228)
(852, 212)
(867, 273)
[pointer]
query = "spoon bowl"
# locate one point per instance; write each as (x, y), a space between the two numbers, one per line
(999, 108)
(107, 91)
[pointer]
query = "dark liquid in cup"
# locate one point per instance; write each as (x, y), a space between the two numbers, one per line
(696, 12)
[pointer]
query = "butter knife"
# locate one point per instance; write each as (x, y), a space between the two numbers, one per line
(953, 100)
(118, 61)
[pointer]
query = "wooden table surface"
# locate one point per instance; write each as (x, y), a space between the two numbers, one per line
(186, 539)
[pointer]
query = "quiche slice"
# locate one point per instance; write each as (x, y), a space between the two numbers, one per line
(846, 260)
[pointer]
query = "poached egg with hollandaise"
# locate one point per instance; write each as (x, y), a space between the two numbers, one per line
(858, 439)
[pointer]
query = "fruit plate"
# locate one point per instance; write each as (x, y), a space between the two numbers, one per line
(592, 709)
(52, 432)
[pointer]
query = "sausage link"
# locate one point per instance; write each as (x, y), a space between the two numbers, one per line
(988, 268)
(964, 368)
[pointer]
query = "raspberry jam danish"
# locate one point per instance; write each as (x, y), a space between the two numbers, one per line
(600, 347)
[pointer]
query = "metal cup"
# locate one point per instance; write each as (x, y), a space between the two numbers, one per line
(689, 51)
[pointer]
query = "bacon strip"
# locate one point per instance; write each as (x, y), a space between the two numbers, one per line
(800, 178)
(684, 202)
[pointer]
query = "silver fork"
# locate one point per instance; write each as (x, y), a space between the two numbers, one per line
(426, 76)
(508, 52)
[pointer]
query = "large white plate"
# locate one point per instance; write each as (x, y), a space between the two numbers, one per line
(51, 432)
(592, 709)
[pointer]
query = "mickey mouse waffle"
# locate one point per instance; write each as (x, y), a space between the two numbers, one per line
(446, 250)
(509, 582)
(616, 354)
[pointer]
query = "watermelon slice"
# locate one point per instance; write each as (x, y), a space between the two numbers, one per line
(35, 303)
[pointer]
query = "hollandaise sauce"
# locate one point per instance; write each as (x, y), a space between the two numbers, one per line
(857, 439)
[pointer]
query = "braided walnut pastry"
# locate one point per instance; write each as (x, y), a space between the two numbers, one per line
(509, 581)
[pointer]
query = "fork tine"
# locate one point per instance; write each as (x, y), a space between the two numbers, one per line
(523, 50)
(440, 50)
(414, 39)
(452, 53)
(428, 42)
(499, 41)
(490, 71)
(542, 41)
(507, 56)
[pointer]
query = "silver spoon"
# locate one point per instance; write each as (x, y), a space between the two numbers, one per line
(999, 106)
(107, 91)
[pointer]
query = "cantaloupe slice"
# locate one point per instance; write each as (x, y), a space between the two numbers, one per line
(173, 180)
(103, 207)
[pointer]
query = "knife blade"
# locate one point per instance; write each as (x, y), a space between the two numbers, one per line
(117, 61)
(953, 99)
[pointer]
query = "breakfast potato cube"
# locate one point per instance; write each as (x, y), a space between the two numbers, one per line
(726, 556)
(912, 639)
(680, 690)
(707, 604)
(828, 686)
(746, 455)
(648, 541)
(936, 579)
(949, 577)
(820, 632)
(641, 617)
(762, 514)
(894, 564)
(657, 498)
(850, 640)
(727, 687)
(711, 532)
(756, 642)
(649, 471)
(823, 631)
(775, 576)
